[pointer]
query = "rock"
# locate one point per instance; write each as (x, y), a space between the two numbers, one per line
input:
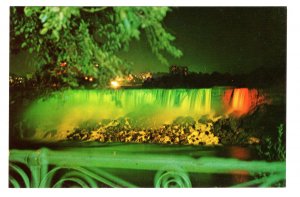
(203, 119)
(184, 121)
(89, 125)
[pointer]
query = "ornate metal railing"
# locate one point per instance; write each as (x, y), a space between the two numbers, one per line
(96, 167)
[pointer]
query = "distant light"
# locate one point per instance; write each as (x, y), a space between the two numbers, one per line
(114, 84)
(91, 79)
(63, 64)
(86, 78)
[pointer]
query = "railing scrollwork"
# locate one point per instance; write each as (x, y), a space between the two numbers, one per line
(46, 168)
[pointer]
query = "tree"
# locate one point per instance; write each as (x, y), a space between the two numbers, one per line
(82, 42)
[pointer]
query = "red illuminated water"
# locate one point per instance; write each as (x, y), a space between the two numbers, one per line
(241, 101)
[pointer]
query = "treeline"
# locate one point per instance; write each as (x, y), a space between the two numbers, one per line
(262, 77)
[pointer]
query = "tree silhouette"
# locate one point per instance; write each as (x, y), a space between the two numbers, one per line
(81, 43)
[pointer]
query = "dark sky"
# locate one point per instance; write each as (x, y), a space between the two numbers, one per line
(224, 39)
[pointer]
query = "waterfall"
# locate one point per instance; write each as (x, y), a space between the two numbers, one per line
(66, 110)
(241, 101)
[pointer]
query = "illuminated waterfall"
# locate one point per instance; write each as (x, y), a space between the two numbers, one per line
(241, 101)
(153, 107)
(65, 110)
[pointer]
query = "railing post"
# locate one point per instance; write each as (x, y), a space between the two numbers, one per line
(38, 165)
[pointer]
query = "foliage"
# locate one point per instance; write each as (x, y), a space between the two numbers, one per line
(273, 150)
(80, 43)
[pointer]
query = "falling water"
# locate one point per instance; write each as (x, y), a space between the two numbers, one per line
(241, 101)
(65, 110)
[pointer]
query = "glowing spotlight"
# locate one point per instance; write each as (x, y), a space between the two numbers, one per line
(114, 84)
(91, 79)
(63, 64)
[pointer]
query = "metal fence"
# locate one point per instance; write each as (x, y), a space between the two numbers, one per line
(87, 167)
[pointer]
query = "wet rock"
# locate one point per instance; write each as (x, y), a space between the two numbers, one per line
(184, 121)
(203, 119)
(89, 125)
(230, 132)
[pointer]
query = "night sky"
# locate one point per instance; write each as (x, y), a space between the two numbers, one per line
(224, 39)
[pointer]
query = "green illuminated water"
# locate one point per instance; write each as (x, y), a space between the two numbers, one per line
(65, 110)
